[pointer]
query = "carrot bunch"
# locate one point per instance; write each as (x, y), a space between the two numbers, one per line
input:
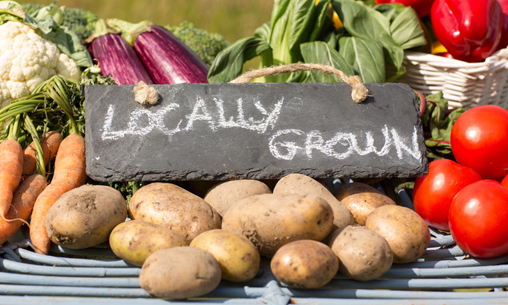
(17, 196)
(49, 146)
(11, 166)
(21, 206)
(69, 172)
(27, 190)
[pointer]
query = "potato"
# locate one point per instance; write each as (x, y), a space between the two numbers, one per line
(361, 199)
(175, 208)
(85, 216)
(180, 273)
(304, 185)
(305, 264)
(222, 196)
(134, 240)
(270, 221)
(405, 231)
(238, 258)
(364, 255)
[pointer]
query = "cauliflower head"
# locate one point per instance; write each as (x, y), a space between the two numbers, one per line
(27, 59)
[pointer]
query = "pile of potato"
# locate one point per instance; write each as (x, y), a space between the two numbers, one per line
(186, 244)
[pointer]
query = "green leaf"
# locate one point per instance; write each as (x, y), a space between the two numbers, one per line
(366, 57)
(229, 62)
(11, 11)
(319, 52)
(440, 106)
(300, 25)
(69, 43)
(280, 8)
(322, 20)
(52, 10)
(263, 32)
(406, 29)
(291, 24)
(331, 40)
(278, 38)
(438, 122)
(360, 22)
(45, 25)
(66, 40)
(390, 11)
(380, 18)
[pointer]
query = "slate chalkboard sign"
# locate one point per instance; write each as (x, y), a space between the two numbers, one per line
(255, 131)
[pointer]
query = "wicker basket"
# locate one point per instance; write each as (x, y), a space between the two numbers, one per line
(463, 84)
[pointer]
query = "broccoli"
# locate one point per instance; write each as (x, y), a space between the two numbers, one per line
(31, 9)
(77, 20)
(80, 21)
(206, 45)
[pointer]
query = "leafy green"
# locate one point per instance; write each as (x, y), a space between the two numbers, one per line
(263, 32)
(206, 45)
(366, 57)
(406, 29)
(360, 22)
(69, 43)
(11, 11)
(438, 121)
(31, 8)
(277, 42)
(127, 189)
(292, 23)
(51, 10)
(389, 10)
(279, 15)
(321, 53)
(229, 63)
(81, 22)
(372, 40)
(380, 18)
(322, 21)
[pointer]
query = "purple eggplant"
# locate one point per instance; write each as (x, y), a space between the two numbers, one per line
(167, 59)
(116, 57)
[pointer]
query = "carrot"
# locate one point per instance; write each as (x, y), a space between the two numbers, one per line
(11, 166)
(22, 204)
(49, 144)
(69, 173)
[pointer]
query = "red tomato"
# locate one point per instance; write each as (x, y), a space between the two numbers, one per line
(434, 192)
(504, 182)
(479, 140)
(479, 219)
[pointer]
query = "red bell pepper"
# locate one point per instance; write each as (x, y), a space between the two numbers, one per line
(504, 37)
(422, 7)
(469, 29)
